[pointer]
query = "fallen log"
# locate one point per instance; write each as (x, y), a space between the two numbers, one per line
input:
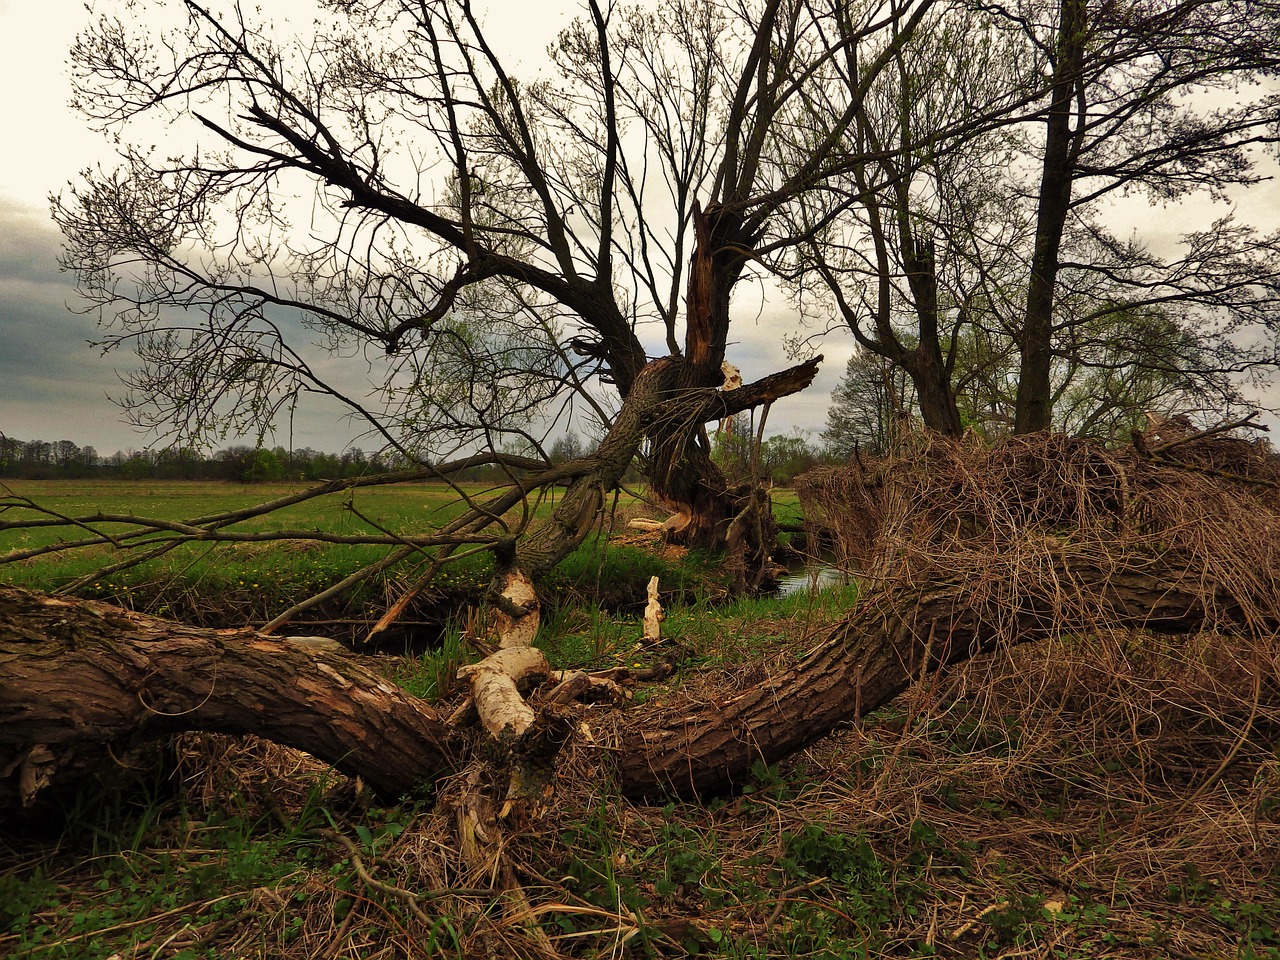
(894, 637)
(79, 678)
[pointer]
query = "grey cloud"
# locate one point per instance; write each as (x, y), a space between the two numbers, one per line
(54, 385)
(756, 348)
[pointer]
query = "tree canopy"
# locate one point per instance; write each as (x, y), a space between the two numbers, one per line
(499, 252)
(995, 262)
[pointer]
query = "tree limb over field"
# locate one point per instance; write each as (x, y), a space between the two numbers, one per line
(492, 522)
(493, 245)
(79, 676)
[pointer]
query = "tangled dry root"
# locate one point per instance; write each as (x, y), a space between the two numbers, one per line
(935, 504)
(1174, 734)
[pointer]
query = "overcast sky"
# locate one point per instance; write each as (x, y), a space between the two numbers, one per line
(54, 386)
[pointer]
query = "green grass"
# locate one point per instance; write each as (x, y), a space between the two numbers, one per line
(432, 675)
(166, 880)
(275, 568)
(901, 838)
(400, 508)
(803, 864)
(233, 584)
(744, 628)
(943, 825)
(228, 584)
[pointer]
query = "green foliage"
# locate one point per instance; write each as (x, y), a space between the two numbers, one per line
(164, 883)
(433, 675)
(1133, 364)
(617, 576)
(237, 583)
(22, 897)
(778, 459)
(263, 467)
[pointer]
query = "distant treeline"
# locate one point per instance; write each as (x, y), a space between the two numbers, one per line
(64, 460)
(778, 458)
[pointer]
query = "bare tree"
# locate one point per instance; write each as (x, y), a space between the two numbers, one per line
(1154, 100)
(492, 248)
(866, 406)
(999, 241)
(915, 249)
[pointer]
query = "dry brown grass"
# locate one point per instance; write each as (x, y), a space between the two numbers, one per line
(1125, 764)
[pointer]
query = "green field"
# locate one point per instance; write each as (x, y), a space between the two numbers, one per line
(227, 584)
(403, 508)
(215, 583)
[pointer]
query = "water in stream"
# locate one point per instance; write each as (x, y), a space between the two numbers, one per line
(813, 577)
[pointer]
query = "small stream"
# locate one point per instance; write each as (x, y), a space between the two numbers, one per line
(816, 576)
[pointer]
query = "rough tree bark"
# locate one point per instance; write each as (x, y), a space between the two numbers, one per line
(78, 676)
(894, 636)
(1034, 410)
(681, 470)
(930, 371)
(665, 409)
(77, 679)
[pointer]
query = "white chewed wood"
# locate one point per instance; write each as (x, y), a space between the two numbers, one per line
(732, 376)
(673, 524)
(677, 521)
(494, 688)
(653, 614)
(494, 681)
(517, 594)
(38, 766)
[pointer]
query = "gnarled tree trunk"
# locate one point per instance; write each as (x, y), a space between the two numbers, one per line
(78, 678)
(681, 470)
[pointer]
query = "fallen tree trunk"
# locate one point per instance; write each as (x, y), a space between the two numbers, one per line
(895, 636)
(78, 677)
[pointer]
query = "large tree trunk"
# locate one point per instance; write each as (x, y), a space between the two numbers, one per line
(938, 408)
(708, 511)
(1035, 396)
(78, 679)
(660, 406)
(925, 364)
(893, 638)
(681, 470)
(78, 676)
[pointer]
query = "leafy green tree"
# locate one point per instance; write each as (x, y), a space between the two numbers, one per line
(263, 467)
(732, 445)
(1132, 363)
(743, 455)
(567, 447)
(783, 457)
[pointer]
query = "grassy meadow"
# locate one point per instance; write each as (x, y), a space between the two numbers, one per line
(1021, 806)
(230, 584)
